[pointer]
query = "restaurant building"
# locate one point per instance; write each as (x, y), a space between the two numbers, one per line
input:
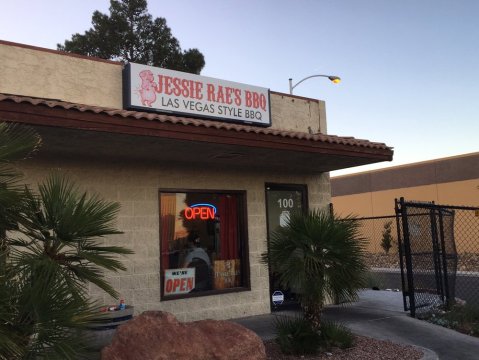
(204, 170)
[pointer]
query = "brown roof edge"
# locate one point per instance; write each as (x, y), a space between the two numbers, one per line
(58, 52)
(45, 112)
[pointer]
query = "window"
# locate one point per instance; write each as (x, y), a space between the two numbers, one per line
(203, 243)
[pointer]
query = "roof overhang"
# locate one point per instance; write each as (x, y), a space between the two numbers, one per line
(78, 130)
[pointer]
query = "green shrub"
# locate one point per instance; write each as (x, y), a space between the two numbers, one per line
(463, 318)
(335, 334)
(295, 335)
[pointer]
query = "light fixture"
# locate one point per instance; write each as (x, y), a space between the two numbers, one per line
(334, 79)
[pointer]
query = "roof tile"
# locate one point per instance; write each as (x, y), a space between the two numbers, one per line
(333, 139)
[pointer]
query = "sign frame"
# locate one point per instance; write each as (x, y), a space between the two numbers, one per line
(142, 94)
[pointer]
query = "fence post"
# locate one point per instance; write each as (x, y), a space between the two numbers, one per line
(407, 250)
(436, 252)
(401, 253)
(449, 301)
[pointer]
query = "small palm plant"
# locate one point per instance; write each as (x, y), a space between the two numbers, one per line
(60, 251)
(51, 248)
(319, 256)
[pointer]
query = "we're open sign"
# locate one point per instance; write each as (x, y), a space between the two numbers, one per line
(179, 281)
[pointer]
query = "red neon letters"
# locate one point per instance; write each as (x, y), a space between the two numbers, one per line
(200, 212)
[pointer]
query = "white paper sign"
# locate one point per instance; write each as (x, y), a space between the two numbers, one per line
(163, 90)
(179, 281)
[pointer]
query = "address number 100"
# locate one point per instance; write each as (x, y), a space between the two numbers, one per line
(285, 203)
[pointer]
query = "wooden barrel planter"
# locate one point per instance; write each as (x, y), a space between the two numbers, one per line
(100, 334)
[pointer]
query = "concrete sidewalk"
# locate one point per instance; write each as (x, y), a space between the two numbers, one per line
(379, 314)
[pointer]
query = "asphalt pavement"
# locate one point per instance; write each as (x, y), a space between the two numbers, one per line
(379, 314)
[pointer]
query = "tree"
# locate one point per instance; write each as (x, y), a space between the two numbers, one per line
(130, 34)
(320, 257)
(51, 248)
(387, 239)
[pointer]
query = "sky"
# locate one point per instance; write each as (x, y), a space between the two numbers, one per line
(409, 68)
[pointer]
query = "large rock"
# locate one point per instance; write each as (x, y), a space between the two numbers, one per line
(156, 335)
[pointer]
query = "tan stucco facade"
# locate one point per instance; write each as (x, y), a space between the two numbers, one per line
(44, 74)
(135, 185)
(49, 74)
(381, 203)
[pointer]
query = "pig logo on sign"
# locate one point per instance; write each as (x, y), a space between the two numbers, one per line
(147, 89)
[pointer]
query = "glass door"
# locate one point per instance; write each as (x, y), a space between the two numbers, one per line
(281, 202)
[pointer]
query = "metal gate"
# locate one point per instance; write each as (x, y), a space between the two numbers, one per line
(428, 255)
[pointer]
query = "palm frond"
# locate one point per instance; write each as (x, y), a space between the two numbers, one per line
(17, 142)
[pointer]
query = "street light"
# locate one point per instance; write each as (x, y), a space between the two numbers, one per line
(334, 79)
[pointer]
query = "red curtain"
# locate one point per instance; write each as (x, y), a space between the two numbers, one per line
(228, 214)
(167, 226)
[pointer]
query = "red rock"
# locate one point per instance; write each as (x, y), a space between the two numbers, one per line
(157, 335)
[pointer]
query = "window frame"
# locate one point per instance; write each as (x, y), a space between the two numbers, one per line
(244, 243)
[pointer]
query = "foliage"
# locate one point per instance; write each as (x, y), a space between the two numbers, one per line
(463, 318)
(334, 334)
(50, 250)
(320, 257)
(387, 239)
(64, 233)
(16, 143)
(295, 335)
(130, 34)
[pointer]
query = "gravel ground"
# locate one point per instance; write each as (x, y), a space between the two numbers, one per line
(364, 349)
(466, 261)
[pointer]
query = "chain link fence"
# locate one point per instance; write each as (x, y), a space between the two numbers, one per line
(382, 255)
(383, 251)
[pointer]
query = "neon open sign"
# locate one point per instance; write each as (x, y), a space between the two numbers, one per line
(200, 211)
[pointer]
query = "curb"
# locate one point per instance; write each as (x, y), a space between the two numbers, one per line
(428, 353)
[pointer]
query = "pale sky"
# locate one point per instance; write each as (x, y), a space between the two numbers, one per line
(409, 68)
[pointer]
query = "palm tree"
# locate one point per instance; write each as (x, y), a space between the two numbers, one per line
(16, 143)
(319, 256)
(54, 249)
(60, 251)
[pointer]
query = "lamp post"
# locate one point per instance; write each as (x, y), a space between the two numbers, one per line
(334, 79)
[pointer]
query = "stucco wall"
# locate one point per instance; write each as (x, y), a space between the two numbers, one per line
(298, 114)
(136, 187)
(44, 74)
(49, 74)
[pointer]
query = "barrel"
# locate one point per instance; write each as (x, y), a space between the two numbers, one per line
(100, 333)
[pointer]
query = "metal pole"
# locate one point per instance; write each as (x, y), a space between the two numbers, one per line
(407, 251)
(405, 290)
(449, 299)
(291, 86)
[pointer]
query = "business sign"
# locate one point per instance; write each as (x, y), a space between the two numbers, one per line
(150, 88)
(179, 281)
